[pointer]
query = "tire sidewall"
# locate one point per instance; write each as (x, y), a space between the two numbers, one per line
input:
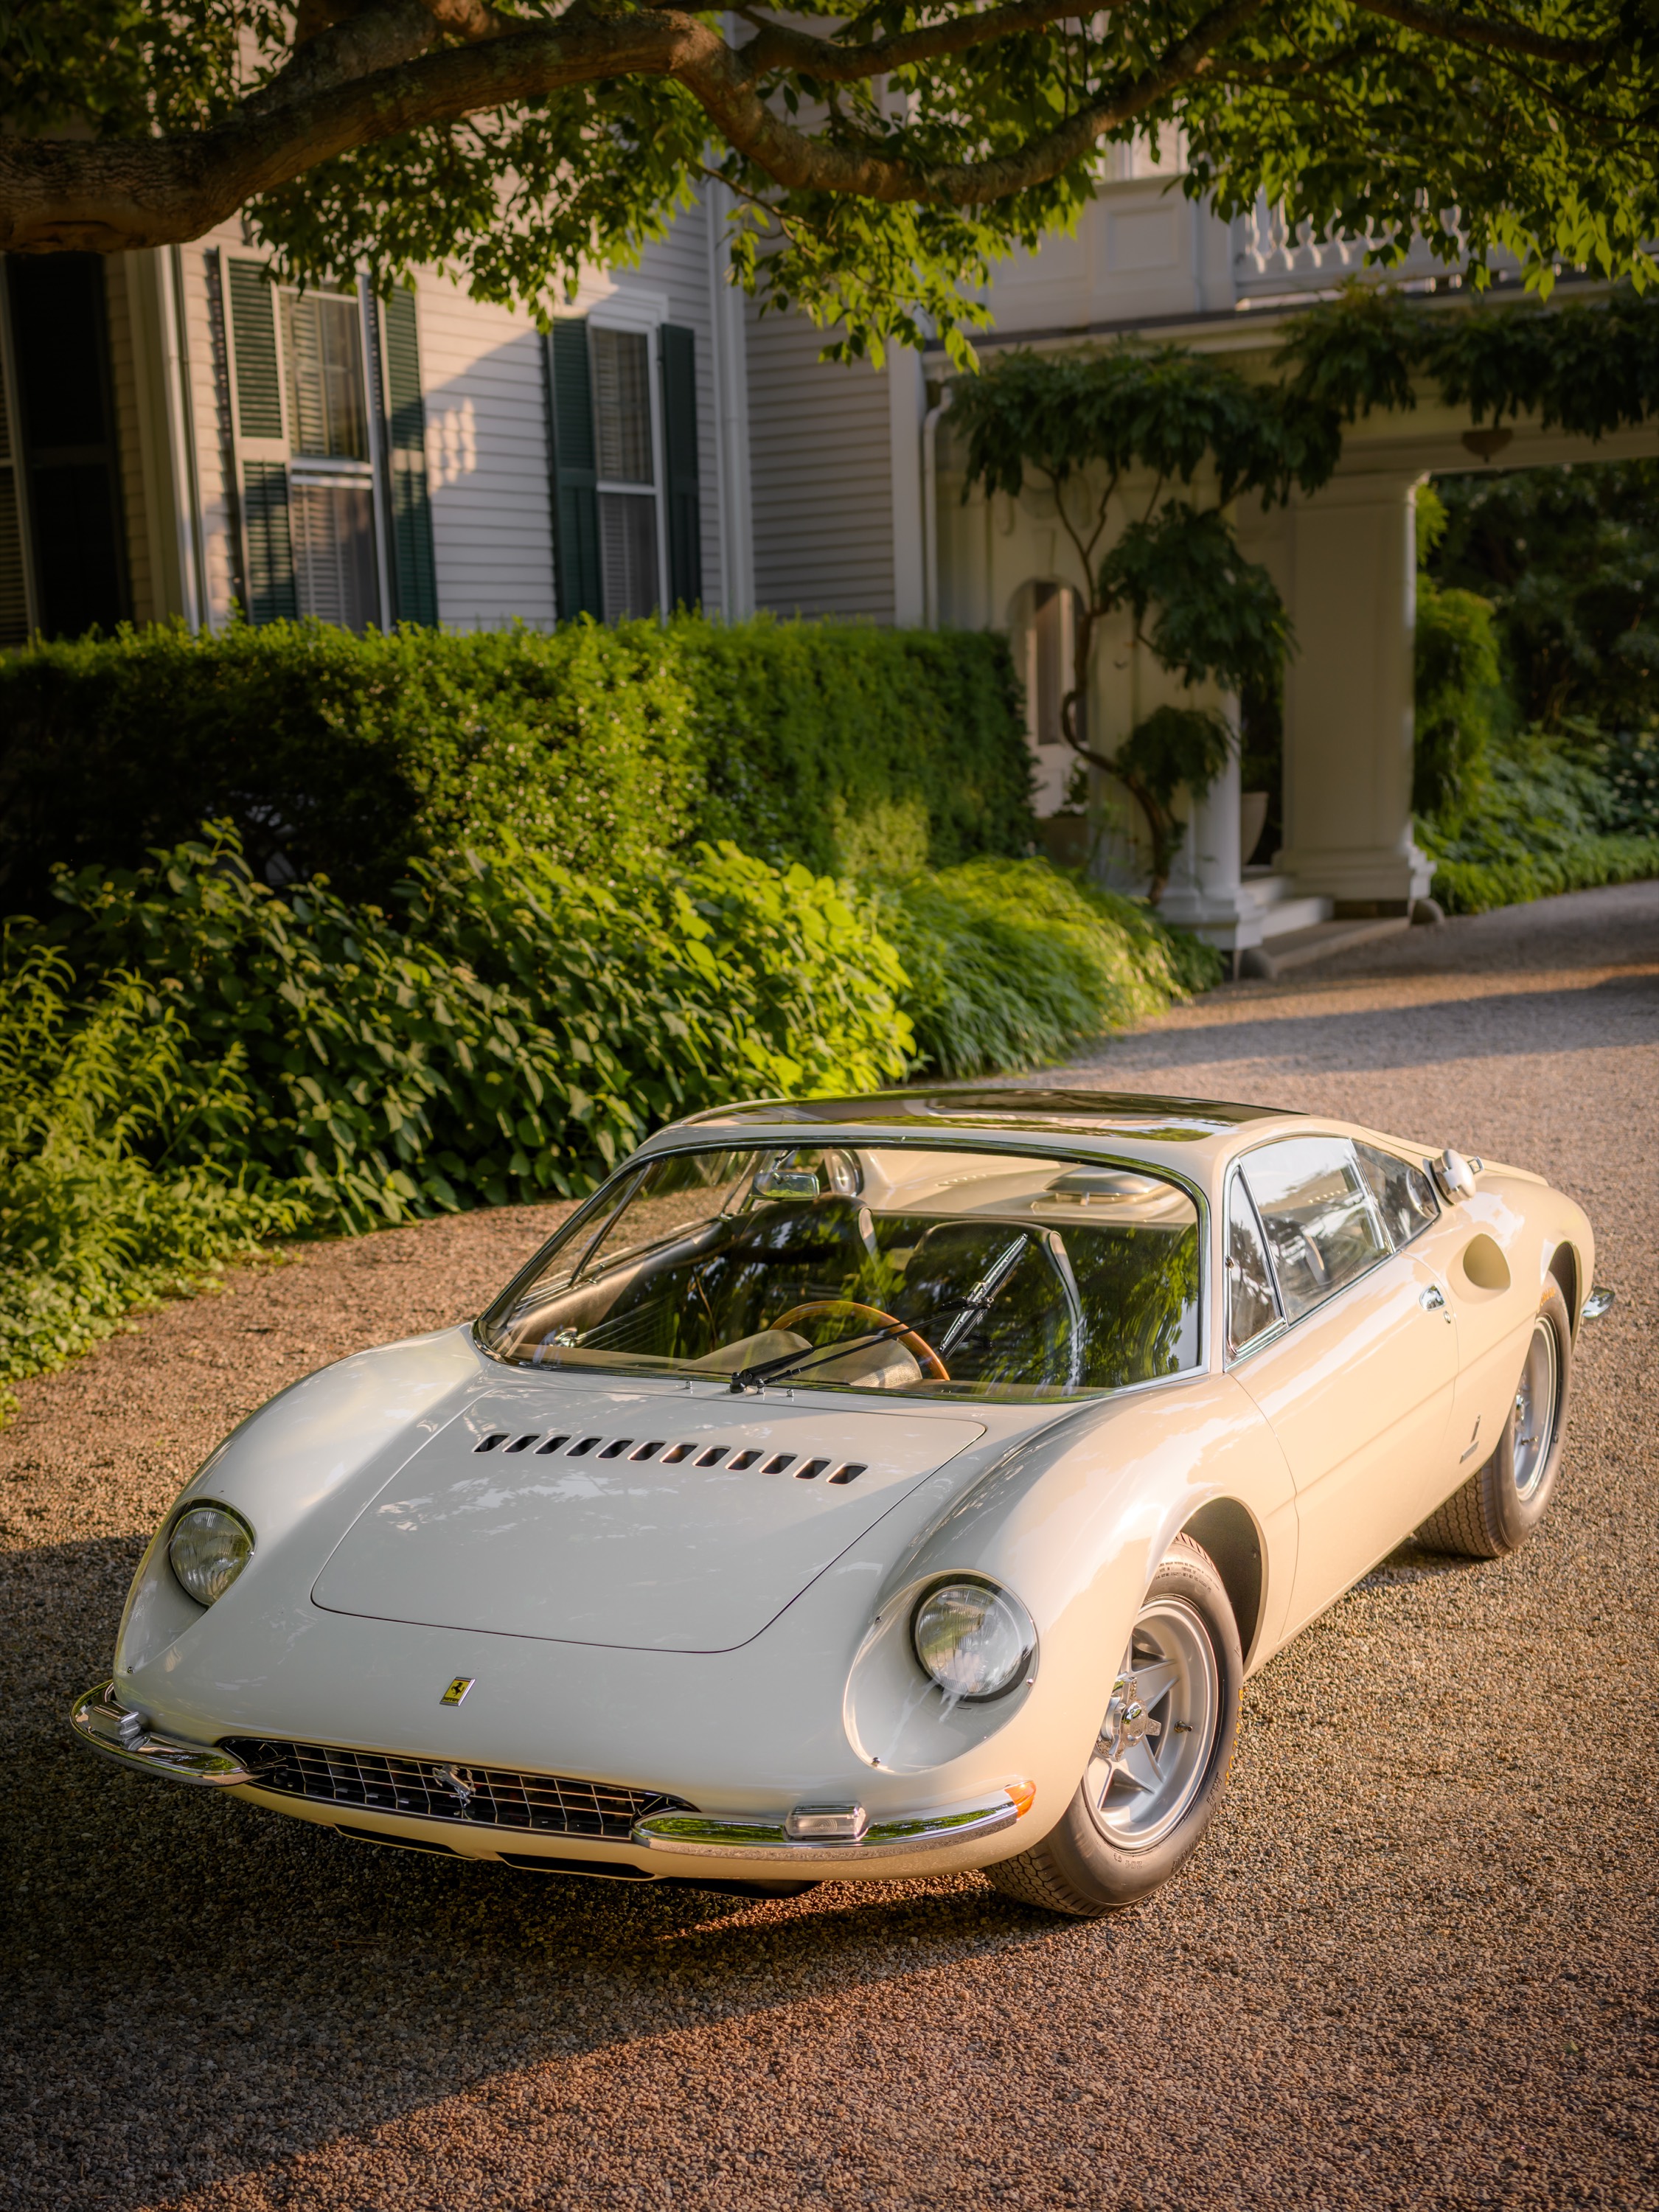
(1511, 1517)
(1105, 1874)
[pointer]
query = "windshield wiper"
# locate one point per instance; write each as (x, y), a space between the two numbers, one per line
(748, 1378)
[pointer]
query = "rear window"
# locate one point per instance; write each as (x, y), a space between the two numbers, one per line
(961, 1272)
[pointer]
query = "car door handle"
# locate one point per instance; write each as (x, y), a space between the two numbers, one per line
(1431, 1298)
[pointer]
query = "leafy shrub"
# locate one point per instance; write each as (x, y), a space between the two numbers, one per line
(352, 757)
(512, 1035)
(1456, 687)
(90, 1226)
(1536, 829)
(1013, 963)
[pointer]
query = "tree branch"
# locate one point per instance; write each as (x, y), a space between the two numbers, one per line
(777, 45)
(110, 195)
(1505, 37)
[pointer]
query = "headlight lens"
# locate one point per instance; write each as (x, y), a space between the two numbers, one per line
(973, 1638)
(207, 1549)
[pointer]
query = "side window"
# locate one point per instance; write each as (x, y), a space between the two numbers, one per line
(1252, 1306)
(1322, 1227)
(1405, 1196)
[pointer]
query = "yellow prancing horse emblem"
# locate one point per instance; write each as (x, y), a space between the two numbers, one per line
(457, 1690)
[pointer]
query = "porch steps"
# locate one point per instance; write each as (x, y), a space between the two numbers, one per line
(1282, 913)
(1300, 948)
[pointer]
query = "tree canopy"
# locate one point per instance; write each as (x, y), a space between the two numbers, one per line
(880, 159)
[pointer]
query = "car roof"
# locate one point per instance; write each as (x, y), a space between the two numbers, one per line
(1187, 1132)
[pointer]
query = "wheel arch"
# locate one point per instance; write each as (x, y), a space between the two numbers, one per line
(1228, 1532)
(1565, 1268)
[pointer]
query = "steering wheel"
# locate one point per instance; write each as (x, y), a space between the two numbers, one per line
(929, 1360)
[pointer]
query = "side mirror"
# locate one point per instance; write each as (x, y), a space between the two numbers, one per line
(1455, 1175)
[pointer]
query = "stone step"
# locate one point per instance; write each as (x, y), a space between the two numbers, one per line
(1300, 948)
(1288, 917)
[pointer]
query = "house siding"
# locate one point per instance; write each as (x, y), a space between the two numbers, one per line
(483, 385)
(820, 445)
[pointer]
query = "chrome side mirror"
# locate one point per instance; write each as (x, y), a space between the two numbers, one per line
(1455, 1175)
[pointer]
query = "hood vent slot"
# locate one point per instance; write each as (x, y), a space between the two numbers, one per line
(701, 1455)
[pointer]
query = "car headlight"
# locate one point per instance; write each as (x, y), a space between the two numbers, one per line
(973, 1638)
(207, 1549)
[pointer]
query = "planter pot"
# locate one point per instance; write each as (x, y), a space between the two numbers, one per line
(1252, 820)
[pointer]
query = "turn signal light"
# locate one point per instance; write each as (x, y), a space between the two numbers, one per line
(1023, 1793)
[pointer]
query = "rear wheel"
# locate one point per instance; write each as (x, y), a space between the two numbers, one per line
(1160, 1762)
(1498, 1507)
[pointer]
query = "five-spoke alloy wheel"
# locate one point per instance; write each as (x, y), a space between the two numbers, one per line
(1160, 1762)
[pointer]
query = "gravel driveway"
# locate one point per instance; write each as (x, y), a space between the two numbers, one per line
(1413, 1965)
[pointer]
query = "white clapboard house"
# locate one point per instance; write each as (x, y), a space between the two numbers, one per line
(179, 436)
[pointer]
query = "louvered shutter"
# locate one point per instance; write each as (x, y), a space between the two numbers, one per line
(575, 474)
(253, 326)
(414, 571)
(268, 545)
(679, 425)
(271, 595)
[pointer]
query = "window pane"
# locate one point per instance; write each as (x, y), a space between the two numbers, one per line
(1028, 1277)
(1251, 1305)
(326, 396)
(622, 406)
(1318, 1215)
(628, 553)
(334, 566)
(1405, 1196)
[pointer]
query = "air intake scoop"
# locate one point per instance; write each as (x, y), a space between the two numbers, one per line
(650, 1520)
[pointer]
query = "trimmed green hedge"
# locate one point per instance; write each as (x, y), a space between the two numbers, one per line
(847, 748)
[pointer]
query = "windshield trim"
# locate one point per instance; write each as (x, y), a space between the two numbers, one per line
(923, 1140)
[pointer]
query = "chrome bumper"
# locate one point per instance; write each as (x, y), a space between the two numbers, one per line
(105, 1725)
(700, 1835)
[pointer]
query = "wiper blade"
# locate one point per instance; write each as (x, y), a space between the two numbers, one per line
(748, 1378)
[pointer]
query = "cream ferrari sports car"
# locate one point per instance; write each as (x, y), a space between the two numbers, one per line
(863, 1487)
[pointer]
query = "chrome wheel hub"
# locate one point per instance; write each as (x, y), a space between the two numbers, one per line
(1160, 1725)
(1534, 1410)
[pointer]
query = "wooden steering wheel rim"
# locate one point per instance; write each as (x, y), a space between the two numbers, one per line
(919, 1349)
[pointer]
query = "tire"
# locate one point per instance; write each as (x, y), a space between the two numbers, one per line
(1500, 1505)
(1120, 1838)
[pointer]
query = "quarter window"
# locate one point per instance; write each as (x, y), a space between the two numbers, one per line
(1252, 1306)
(1404, 1195)
(1322, 1224)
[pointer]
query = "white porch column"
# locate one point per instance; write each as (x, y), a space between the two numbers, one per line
(1205, 891)
(1348, 698)
(907, 404)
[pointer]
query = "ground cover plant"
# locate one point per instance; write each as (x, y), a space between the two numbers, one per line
(193, 1064)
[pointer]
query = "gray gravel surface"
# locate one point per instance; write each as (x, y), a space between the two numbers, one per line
(1412, 1964)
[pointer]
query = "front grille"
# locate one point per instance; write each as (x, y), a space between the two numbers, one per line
(438, 1790)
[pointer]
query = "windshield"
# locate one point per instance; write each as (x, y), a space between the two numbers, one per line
(961, 1272)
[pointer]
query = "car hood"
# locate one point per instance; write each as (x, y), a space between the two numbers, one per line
(648, 1520)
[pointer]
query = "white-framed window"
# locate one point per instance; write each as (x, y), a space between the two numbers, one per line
(334, 524)
(627, 507)
(627, 438)
(321, 413)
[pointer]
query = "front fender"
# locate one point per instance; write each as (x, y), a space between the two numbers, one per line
(1074, 1521)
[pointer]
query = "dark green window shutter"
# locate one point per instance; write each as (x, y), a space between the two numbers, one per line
(575, 473)
(679, 426)
(253, 325)
(414, 573)
(270, 551)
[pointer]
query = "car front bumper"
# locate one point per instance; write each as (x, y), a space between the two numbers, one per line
(669, 1840)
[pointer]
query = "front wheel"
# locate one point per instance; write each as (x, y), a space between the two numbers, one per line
(1160, 1762)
